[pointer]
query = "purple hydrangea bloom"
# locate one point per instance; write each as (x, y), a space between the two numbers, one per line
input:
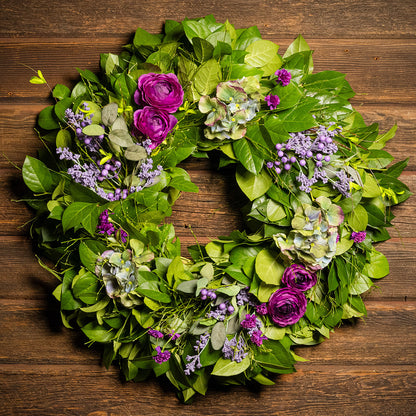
(297, 277)
(287, 306)
(358, 237)
(283, 76)
(161, 357)
(272, 101)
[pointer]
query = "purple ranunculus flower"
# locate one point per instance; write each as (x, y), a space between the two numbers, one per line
(287, 306)
(272, 101)
(283, 76)
(154, 123)
(297, 277)
(162, 91)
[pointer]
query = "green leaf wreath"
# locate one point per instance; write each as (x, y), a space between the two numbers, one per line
(319, 190)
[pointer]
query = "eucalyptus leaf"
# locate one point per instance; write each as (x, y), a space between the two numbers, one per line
(218, 336)
(121, 138)
(109, 114)
(93, 130)
(135, 153)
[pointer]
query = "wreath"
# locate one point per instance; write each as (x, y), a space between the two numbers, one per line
(318, 186)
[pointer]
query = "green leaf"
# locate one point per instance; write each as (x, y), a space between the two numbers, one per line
(371, 188)
(47, 119)
(253, 185)
(263, 54)
(378, 159)
(298, 118)
(227, 368)
(207, 77)
(36, 175)
(89, 251)
(85, 287)
(274, 211)
(332, 278)
(382, 139)
(248, 155)
(81, 213)
(377, 266)
(203, 49)
(298, 45)
(144, 38)
(324, 80)
(61, 91)
(268, 267)
(98, 333)
(63, 138)
(358, 219)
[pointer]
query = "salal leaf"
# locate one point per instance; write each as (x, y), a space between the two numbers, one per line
(36, 175)
(268, 267)
(207, 77)
(227, 368)
(81, 214)
(298, 45)
(253, 185)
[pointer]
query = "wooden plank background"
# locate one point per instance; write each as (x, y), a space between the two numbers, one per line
(367, 368)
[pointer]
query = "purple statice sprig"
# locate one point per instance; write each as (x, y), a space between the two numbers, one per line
(161, 356)
(104, 226)
(235, 349)
(252, 324)
(194, 361)
(359, 236)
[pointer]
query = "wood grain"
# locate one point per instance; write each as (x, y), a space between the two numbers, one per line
(365, 368)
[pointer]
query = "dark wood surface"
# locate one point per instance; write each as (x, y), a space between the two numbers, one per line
(367, 368)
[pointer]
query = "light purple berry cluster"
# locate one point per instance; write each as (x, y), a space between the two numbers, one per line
(311, 149)
(221, 311)
(80, 120)
(207, 293)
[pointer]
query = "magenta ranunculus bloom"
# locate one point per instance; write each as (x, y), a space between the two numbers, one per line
(298, 277)
(272, 101)
(154, 123)
(286, 306)
(162, 91)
